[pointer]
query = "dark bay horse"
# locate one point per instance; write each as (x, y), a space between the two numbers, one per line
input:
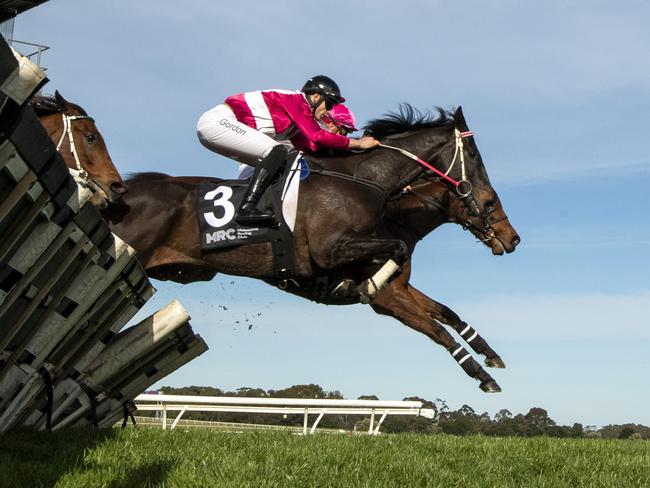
(81, 146)
(158, 218)
(407, 218)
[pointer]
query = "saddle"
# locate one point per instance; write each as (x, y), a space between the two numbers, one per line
(217, 203)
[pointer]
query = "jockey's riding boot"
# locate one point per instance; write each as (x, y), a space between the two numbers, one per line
(248, 213)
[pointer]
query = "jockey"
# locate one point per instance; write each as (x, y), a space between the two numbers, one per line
(258, 129)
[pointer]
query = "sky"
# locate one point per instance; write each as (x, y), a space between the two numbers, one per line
(557, 94)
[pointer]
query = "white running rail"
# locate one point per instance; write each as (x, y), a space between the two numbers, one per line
(305, 407)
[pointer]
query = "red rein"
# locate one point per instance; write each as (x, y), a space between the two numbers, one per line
(442, 175)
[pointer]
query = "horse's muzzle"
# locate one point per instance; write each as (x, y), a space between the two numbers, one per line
(118, 188)
(510, 247)
(501, 246)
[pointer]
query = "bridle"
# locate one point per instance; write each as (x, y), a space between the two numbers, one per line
(487, 230)
(463, 186)
(67, 130)
(463, 189)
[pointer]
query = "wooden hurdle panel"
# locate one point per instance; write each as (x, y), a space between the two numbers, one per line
(103, 410)
(134, 360)
(114, 409)
(28, 164)
(98, 312)
(34, 187)
(56, 268)
(37, 191)
(138, 358)
(68, 286)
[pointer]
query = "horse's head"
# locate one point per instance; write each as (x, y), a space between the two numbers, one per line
(477, 206)
(451, 180)
(81, 146)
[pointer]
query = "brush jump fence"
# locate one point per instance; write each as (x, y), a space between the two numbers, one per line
(377, 410)
(68, 286)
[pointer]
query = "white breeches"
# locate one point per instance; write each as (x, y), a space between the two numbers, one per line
(219, 130)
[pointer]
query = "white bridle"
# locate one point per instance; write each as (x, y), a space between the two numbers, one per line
(459, 151)
(67, 129)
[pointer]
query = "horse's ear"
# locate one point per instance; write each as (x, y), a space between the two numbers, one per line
(60, 100)
(459, 120)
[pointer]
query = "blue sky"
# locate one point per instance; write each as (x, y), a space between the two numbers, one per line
(557, 94)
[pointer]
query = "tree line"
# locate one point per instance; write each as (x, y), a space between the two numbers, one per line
(464, 421)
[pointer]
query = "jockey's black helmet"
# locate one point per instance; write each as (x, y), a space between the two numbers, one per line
(324, 85)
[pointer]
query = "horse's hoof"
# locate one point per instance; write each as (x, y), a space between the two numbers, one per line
(367, 291)
(345, 289)
(490, 386)
(364, 299)
(495, 362)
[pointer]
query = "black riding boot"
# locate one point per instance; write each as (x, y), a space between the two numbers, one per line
(248, 213)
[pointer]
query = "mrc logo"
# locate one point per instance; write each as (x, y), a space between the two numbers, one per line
(220, 235)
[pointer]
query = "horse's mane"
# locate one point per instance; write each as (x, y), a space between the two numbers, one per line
(407, 119)
(48, 104)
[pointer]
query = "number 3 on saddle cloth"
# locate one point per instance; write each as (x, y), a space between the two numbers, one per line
(218, 202)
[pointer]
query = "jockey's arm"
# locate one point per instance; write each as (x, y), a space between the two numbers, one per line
(328, 140)
(366, 142)
(302, 117)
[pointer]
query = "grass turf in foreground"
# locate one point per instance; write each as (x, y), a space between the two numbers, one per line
(149, 457)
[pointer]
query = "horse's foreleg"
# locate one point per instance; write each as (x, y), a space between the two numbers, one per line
(447, 316)
(397, 302)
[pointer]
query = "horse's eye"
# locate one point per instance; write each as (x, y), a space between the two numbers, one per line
(90, 138)
(490, 206)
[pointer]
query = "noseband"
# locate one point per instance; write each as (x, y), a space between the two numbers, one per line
(67, 130)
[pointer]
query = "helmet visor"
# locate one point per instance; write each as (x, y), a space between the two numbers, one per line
(331, 100)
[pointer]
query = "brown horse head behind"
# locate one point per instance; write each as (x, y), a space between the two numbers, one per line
(81, 145)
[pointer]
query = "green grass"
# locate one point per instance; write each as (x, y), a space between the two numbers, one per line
(201, 458)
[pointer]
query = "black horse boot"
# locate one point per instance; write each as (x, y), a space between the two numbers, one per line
(248, 213)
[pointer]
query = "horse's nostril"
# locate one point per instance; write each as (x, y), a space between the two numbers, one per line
(516, 241)
(119, 188)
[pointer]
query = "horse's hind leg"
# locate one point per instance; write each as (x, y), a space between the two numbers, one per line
(350, 248)
(397, 302)
(445, 315)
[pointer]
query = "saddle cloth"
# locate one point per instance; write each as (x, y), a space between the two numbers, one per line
(218, 202)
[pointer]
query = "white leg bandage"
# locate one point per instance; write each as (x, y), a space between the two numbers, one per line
(374, 285)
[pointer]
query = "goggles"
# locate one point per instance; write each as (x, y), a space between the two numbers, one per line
(330, 102)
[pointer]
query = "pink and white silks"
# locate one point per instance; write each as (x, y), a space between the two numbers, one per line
(248, 125)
